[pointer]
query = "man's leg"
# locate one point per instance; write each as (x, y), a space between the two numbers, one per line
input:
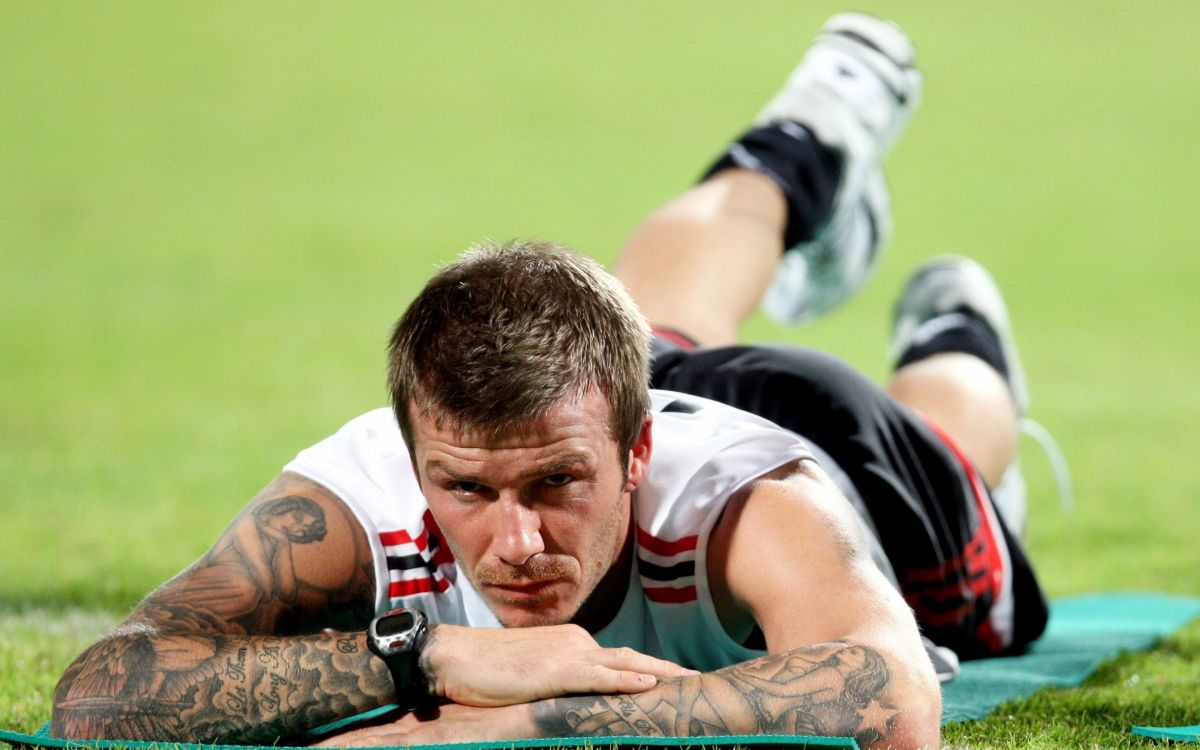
(956, 363)
(960, 569)
(699, 264)
(806, 177)
(969, 400)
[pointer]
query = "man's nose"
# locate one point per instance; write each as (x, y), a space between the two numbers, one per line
(518, 533)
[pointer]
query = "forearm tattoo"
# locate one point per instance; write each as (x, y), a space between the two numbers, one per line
(830, 690)
(224, 689)
(231, 650)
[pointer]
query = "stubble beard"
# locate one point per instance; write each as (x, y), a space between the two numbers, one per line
(601, 553)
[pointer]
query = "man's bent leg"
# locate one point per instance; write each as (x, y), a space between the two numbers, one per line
(958, 566)
(700, 264)
(969, 400)
(796, 207)
(956, 362)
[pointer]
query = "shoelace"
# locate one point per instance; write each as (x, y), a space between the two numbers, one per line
(1058, 462)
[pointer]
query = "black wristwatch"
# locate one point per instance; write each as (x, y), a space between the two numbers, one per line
(397, 637)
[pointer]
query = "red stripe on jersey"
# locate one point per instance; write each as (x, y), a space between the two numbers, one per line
(664, 547)
(417, 586)
(422, 540)
(410, 587)
(442, 555)
(393, 538)
(401, 536)
(671, 596)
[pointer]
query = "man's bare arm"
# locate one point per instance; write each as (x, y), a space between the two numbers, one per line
(230, 649)
(821, 586)
(836, 690)
(832, 689)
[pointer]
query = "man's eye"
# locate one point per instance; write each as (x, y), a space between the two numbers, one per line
(557, 480)
(467, 488)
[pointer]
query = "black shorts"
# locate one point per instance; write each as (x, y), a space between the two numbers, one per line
(963, 573)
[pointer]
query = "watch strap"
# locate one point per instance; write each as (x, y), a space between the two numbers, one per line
(408, 679)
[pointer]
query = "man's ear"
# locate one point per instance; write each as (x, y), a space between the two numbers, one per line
(639, 456)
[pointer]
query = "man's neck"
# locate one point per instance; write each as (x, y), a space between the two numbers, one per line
(602, 606)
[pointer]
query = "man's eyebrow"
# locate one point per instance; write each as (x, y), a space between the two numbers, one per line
(561, 464)
(444, 468)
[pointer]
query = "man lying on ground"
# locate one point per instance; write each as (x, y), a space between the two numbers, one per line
(531, 543)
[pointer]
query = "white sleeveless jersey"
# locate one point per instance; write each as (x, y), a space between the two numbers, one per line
(703, 452)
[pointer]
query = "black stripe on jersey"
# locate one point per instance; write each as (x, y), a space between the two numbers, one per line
(681, 406)
(406, 562)
(666, 572)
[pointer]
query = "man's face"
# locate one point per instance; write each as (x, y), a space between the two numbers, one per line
(537, 517)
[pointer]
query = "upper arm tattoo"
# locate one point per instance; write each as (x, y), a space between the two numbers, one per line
(249, 583)
(828, 690)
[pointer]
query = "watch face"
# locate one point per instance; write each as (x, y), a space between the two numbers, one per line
(400, 622)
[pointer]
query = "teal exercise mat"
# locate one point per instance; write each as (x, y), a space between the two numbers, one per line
(1083, 631)
(1174, 734)
(42, 739)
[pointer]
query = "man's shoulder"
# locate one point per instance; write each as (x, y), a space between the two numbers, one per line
(705, 451)
(366, 464)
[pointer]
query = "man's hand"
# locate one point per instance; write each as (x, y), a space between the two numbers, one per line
(501, 667)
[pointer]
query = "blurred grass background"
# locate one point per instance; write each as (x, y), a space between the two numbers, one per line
(211, 213)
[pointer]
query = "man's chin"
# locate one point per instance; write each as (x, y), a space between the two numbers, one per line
(530, 615)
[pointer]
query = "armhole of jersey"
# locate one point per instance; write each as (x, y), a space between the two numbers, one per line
(712, 620)
(312, 469)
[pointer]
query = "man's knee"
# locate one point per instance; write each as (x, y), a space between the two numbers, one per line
(968, 399)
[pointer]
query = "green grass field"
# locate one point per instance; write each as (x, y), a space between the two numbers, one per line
(211, 213)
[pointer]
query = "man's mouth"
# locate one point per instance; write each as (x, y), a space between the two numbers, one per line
(524, 590)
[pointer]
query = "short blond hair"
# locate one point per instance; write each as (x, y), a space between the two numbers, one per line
(504, 333)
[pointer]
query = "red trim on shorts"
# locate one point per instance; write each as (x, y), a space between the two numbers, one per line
(681, 340)
(980, 568)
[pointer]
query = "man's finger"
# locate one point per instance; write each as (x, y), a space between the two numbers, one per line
(595, 678)
(631, 682)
